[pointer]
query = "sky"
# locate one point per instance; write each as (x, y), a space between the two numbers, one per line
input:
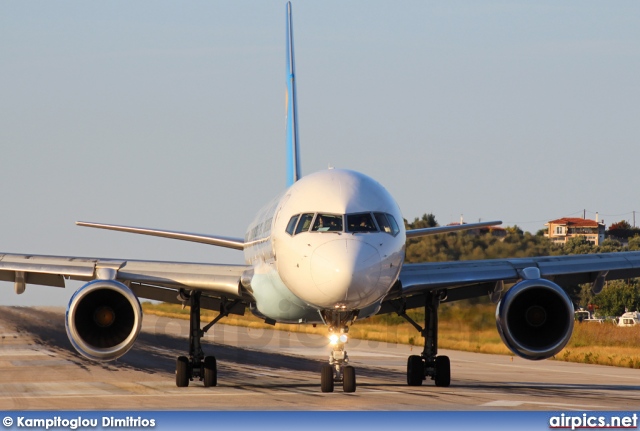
(170, 115)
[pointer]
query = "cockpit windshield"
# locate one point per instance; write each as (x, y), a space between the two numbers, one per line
(360, 223)
(356, 223)
(304, 223)
(327, 223)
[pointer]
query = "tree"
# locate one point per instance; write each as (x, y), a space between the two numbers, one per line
(514, 230)
(427, 220)
(617, 297)
(622, 224)
(609, 246)
(579, 245)
(542, 232)
(634, 243)
(622, 229)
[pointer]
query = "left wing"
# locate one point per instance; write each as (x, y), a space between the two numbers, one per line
(534, 317)
(416, 233)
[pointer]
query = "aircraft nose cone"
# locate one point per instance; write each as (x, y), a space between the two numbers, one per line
(345, 271)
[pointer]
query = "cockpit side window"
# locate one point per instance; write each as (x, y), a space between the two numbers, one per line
(360, 223)
(292, 224)
(383, 223)
(394, 225)
(327, 223)
(387, 223)
(304, 223)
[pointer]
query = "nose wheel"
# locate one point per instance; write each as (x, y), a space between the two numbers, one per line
(326, 378)
(349, 379)
(338, 370)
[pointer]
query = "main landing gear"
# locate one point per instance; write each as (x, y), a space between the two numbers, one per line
(428, 363)
(338, 370)
(197, 365)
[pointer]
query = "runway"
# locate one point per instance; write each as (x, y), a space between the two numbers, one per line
(267, 370)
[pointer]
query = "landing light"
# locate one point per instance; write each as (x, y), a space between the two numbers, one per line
(334, 338)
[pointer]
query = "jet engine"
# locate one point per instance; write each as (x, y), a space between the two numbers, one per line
(103, 319)
(535, 319)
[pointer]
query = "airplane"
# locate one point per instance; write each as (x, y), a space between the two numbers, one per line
(328, 250)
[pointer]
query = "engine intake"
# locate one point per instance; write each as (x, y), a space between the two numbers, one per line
(535, 319)
(103, 319)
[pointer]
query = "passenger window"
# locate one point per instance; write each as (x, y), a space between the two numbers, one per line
(360, 223)
(328, 223)
(292, 224)
(304, 223)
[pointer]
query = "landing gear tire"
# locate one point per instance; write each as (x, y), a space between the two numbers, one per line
(326, 378)
(428, 364)
(349, 379)
(182, 372)
(415, 371)
(210, 371)
(443, 371)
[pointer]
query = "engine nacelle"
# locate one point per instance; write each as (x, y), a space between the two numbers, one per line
(103, 319)
(535, 319)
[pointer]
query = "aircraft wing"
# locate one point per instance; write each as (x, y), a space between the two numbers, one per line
(474, 278)
(147, 279)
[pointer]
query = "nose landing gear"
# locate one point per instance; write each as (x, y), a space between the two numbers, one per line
(337, 370)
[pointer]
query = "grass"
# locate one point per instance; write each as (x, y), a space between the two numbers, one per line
(464, 327)
(605, 344)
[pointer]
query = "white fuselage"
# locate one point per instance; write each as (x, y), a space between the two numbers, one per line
(334, 240)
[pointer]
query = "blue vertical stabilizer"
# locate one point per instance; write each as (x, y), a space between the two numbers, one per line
(293, 153)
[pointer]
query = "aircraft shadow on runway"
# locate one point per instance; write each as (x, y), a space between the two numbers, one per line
(156, 353)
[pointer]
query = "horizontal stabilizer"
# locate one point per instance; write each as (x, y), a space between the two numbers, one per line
(220, 241)
(415, 233)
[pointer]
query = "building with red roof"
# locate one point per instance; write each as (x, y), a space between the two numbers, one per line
(560, 230)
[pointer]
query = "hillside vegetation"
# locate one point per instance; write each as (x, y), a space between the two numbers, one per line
(617, 295)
